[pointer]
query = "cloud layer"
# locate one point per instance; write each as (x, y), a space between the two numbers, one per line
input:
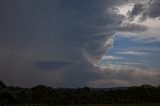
(145, 10)
(57, 42)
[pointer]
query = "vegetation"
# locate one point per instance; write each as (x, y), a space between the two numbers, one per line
(41, 94)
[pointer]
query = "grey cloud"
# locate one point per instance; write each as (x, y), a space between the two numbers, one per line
(131, 28)
(52, 65)
(55, 32)
(127, 77)
(148, 10)
(137, 9)
(80, 75)
(153, 10)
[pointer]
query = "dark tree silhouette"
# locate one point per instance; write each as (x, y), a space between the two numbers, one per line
(41, 94)
(2, 85)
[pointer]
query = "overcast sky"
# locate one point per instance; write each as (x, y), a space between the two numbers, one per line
(76, 43)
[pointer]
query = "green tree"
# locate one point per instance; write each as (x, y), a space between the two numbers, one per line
(6, 98)
(41, 94)
(2, 85)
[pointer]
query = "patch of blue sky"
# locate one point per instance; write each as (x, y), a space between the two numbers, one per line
(146, 54)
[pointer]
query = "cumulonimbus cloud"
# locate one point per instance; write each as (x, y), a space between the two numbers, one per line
(57, 33)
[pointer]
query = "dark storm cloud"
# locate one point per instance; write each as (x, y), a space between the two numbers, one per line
(80, 75)
(131, 28)
(53, 35)
(148, 10)
(52, 65)
(137, 9)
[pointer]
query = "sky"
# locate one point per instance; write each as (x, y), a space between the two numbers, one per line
(77, 43)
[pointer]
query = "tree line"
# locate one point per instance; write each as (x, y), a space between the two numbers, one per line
(41, 94)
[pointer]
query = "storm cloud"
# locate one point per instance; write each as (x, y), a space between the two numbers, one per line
(145, 10)
(65, 37)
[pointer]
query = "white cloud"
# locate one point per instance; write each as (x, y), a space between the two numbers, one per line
(132, 53)
(109, 43)
(153, 24)
(133, 63)
(124, 75)
(117, 67)
(123, 9)
(110, 58)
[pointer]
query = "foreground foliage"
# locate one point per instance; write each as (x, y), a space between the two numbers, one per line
(41, 94)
